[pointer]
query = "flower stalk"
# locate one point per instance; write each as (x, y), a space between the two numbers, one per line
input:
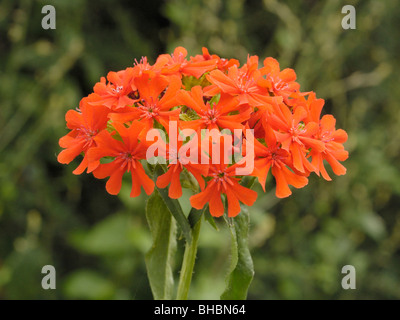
(188, 263)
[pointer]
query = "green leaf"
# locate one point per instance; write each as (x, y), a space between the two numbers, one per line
(190, 81)
(159, 259)
(209, 218)
(189, 182)
(195, 216)
(241, 270)
(184, 117)
(175, 208)
(248, 181)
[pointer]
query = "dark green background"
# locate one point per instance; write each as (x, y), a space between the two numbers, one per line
(97, 242)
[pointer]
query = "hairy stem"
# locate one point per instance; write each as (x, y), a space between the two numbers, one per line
(188, 263)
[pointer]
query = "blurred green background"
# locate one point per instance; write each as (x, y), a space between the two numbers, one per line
(97, 242)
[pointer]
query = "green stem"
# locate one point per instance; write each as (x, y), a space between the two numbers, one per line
(189, 260)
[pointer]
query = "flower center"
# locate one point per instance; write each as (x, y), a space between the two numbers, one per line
(210, 116)
(276, 158)
(118, 89)
(279, 85)
(179, 58)
(244, 82)
(149, 109)
(222, 179)
(295, 131)
(128, 160)
(173, 155)
(326, 136)
(87, 135)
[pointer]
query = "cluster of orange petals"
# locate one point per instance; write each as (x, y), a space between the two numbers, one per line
(290, 138)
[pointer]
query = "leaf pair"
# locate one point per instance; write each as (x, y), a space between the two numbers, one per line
(241, 270)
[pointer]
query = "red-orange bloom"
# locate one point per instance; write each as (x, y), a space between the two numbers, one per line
(334, 150)
(178, 64)
(143, 66)
(212, 115)
(155, 102)
(222, 64)
(241, 83)
(272, 156)
(312, 105)
(178, 155)
(295, 136)
(85, 124)
(281, 83)
(223, 181)
(115, 93)
(126, 156)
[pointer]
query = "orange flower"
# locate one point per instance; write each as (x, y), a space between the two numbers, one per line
(172, 176)
(334, 150)
(223, 181)
(281, 83)
(295, 135)
(179, 159)
(177, 64)
(214, 115)
(332, 139)
(312, 105)
(222, 64)
(126, 156)
(143, 66)
(273, 157)
(241, 83)
(115, 93)
(85, 124)
(155, 102)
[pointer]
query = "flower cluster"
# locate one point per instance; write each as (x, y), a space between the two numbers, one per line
(217, 122)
